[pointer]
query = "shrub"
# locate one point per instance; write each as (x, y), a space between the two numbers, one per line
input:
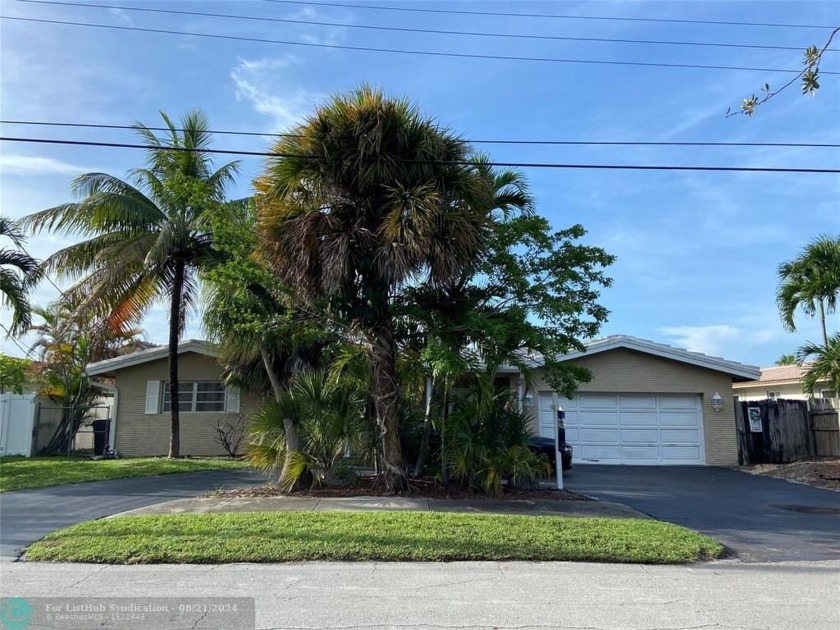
(329, 415)
(486, 440)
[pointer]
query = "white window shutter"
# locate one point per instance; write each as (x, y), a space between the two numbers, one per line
(152, 397)
(231, 400)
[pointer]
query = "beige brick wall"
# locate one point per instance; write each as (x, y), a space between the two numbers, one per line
(628, 372)
(138, 434)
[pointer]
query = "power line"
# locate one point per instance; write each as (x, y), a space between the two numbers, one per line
(9, 335)
(632, 167)
(400, 51)
(543, 15)
(401, 29)
(223, 132)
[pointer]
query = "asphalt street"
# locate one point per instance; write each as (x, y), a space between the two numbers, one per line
(507, 595)
(27, 515)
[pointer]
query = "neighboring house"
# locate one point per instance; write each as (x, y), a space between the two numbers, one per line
(140, 421)
(784, 381)
(647, 403)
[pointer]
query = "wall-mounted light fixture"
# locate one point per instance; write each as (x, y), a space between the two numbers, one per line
(717, 402)
(528, 399)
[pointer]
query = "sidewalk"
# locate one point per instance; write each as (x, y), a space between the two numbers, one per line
(363, 504)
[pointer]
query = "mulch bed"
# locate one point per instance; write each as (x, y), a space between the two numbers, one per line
(820, 473)
(420, 488)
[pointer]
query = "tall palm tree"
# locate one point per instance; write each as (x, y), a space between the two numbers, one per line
(16, 268)
(811, 281)
(366, 196)
(823, 363)
(145, 238)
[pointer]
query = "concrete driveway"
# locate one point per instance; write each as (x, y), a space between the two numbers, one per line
(27, 515)
(758, 518)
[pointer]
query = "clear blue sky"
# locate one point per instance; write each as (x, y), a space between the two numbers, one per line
(697, 252)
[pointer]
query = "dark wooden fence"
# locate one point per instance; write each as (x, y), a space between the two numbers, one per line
(789, 430)
(826, 428)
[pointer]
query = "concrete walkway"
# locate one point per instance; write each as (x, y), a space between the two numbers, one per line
(363, 504)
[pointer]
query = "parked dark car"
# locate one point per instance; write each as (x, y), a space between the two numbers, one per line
(545, 445)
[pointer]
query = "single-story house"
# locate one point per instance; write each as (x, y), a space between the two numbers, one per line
(783, 381)
(140, 414)
(647, 403)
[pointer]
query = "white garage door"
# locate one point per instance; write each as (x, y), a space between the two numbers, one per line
(629, 428)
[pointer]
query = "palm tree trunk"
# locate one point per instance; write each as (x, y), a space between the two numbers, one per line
(427, 424)
(822, 321)
(385, 401)
(289, 428)
(174, 337)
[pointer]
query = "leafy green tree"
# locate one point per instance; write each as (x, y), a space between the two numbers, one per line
(823, 364)
(144, 240)
(786, 359)
(368, 196)
(67, 339)
(264, 339)
(811, 282)
(13, 374)
(16, 269)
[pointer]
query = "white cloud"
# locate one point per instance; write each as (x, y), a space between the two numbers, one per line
(29, 165)
(265, 84)
(322, 35)
(717, 339)
(708, 339)
(120, 15)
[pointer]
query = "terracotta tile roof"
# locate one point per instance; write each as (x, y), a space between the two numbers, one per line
(778, 374)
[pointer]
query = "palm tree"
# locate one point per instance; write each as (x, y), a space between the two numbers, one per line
(786, 359)
(823, 364)
(145, 239)
(811, 282)
(366, 196)
(16, 268)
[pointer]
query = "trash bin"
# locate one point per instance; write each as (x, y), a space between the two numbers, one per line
(100, 436)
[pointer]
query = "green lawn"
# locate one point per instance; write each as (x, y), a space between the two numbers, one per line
(420, 536)
(19, 473)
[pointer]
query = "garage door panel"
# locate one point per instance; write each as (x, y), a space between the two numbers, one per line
(598, 435)
(601, 453)
(639, 418)
(634, 429)
(639, 454)
(598, 418)
(677, 419)
(597, 401)
(645, 436)
(678, 402)
(680, 436)
(637, 402)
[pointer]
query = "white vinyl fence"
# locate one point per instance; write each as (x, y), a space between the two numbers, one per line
(17, 421)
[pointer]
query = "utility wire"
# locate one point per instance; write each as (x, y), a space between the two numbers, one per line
(632, 167)
(9, 335)
(400, 51)
(223, 132)
(372, 7)
(400, 29)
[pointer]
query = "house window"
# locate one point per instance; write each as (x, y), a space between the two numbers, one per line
(828, 393)
(772, 395)
(197, 396)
